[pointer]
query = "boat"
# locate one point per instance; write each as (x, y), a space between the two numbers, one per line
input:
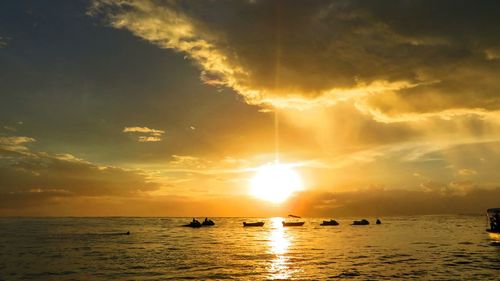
(293, 216)
(293, 223)
(207, 222)
(361, 222)
(193, 224)
(330, 222)
(248, 224)
(378, 221)
(494, 221)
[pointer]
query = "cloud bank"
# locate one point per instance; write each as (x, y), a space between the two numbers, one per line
(30, 178)
(395, 60)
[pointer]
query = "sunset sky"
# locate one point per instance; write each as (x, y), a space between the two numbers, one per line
(169, 108)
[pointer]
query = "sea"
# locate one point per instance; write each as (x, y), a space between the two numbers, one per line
(444, 247)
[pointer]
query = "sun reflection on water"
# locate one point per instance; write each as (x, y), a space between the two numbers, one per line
(279, 241)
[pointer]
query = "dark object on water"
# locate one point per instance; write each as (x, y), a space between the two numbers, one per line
(361, 222)
(293, 223)
(208, 222)
(494, 220)
(128, 233)
(293, 216)
(330, 222)
(194, 224)
(378, 221)
(260, 223)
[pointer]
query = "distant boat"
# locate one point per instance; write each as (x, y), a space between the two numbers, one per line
(293, 223)
(378, 221)
(361, 222)
(207, 222)
(193, 224)
(248, 224)
(330, 222)
(494, 221)
(293, 216)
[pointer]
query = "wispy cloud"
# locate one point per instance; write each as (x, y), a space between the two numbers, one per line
(148, 139)
(32, 178)
(153, 132)
(15, 143)
(467, 172)
(146, 134)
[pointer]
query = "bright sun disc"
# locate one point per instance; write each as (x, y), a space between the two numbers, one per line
(275, 182)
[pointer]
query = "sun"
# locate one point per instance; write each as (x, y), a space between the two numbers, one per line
(275, 182)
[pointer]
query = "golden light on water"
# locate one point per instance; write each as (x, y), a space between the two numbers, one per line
(275, 182)
(279, 242)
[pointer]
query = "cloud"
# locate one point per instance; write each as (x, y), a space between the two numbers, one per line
(38, 178)
(8, 128)
(188, 162)
(382, 202)
(149, 139)
(467, 172)
(15, 143)
(148, 135)
(396, 61)
(147, 130)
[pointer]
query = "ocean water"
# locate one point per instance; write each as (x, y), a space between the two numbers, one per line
(401, 248)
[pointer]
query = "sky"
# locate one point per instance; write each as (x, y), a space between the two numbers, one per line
(169, 108)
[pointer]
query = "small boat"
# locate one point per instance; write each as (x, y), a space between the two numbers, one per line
(207, 222)
(494, 221)
(361, 222)
(293, 216)
(378, 221)
(330, 222)
(193, 224)
(248, 224)
(293, 223)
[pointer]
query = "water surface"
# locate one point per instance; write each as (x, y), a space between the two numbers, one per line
(419, 247)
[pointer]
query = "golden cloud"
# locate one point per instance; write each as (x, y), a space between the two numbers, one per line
(15, 143)
(151, 135)
(394, 61)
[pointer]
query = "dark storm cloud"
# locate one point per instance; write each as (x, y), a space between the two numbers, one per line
(392, 57)
(35, 178)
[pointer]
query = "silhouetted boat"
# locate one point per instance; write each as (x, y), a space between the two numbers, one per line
(361, 222)
(293, 216)
(330, 222)
(193, 224)
(494, 221)
(293, 223)
(207, 222)
(247, 224)
(378, 222)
